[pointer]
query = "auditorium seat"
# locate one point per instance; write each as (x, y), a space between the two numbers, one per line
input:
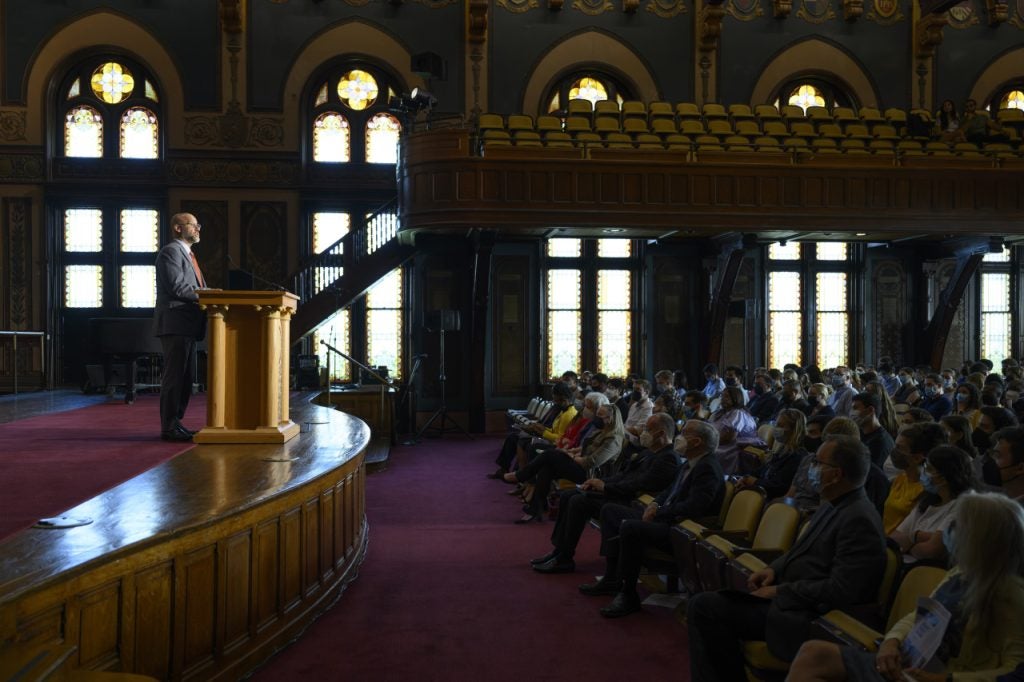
(775, 128)
(885, 132)
(885, 147)
(937, 148)
(713, 112)
(577, 124)
(527, 138)
(519, 122)
(825, 145)
(657, 111)
(708, 143)
(796, 144)
(738, 143)
(740, 112)
(604, 107)
(830, 131)
(490, 122)
(691, 127)
(869, 116)
(648, 141)
(767, 112)
(909, 148)
(998, 150)
(802, 129)
(720, 128)
(967, 149)
(818, 116)
(677, 142)
(606, 124)
(635, 126)
(853, 146)
(768, 144)
(588, 139)
(896, 117)
(747, 127)
(618, 141)
(558, 139)
(843, 116)
(632, 109)
(497, 138)
(663, 126)
(791, 112)
(546, 124)
(687, 111)
(580, 107)
(858, 131)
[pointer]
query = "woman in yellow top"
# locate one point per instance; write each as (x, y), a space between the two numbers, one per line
(984, 593)
(968, 403)
(912, 446)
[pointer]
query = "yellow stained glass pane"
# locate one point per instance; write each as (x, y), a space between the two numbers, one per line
(564, 290)
(555, 103)
(613, 290)
(138, 286)
(831, 250)
(329, 227)
(384, 340)
(83, 286)
(995, 292)
(613, 342)
(336, 332)
(321, 95)
(614, 248)
(387, 292)
(1013, 100)
(1001, 257)
(112, 82)
(995, 336)
(331, 142)
(564, 248)
(76, 89)
(382, 134)
(784, 338)
(83, 133)
(83, 230)
(151, 92)
(807, 96)
(139, 134)
(358, 89)
(787, 251)
(784, 291)
(588, 88)
(140, 230)
(830, 292)
(832, 339)
(563, 341)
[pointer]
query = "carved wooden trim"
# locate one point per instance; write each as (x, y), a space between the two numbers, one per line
(710, 28)
(928, 34)
(934, 336)
(782, 8)
(998, 12)
(477, 24)
(853, 9)
(232, 16)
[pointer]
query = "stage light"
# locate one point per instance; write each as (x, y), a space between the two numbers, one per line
(422, 99)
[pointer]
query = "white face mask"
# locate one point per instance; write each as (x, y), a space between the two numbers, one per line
(679, 445)
(646, 439)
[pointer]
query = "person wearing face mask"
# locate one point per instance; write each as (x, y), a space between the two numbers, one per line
(600, 443)
(1008, 455)
(801, 490)
(818, 401)
(650, 469)
(992, 419)
(983, 592)
(734, 378)
(908, 392)
(521, 436)
(766, 400)
(949, 384)
(934, 400)
(714, 384)
(695, 406)
(864, 411)
(616, 397)
(599, 382)
(945, 474)
(887, 416)
(888, 379)
(640, 409)
(698, 490)
(663, 383)
(736, 428)
(791, 397)
(836, 562)
(842, 398)
(776, 474)
(907, 457)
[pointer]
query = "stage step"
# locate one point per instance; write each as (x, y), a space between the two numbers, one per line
(377, 452)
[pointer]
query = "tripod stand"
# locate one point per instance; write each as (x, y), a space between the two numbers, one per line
(442, 411)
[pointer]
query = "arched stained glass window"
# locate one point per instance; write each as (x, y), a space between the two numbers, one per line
(83, 133)
(588, 88)
(814, 91)
(1012, 100)
(75, 89)
(139, 138)
(331, 142)
(806, 96)
(382, 133)
(589, 85)
(358, 89)
(112, 82)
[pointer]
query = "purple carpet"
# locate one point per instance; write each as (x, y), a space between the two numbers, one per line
(447, 593)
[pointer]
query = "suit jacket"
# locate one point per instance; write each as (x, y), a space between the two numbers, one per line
(837, 562)
(647, 471)
(701, 492)
(177, 303)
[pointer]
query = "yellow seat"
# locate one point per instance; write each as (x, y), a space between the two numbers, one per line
(738, 143)
(588, 139)
(606, 124)
(775, 128)
(896, 117)
(909, 148)
(843, 116)
(635, 126)
(687, 111)
(519, 122)
(691, 127)
(882, 147)
(604, 107)
(527, 138)
(577, 124)
(883, 131)
(767, 112)
(849, 146)
(802, 129)
(663, 126)
(858, 131)
(618, 141)
(720, 127)
(831, 131)
(548, 123)
(660, 110)
(791, 112)
(580, 107)
(490, 122)
(677, 142)
(747, 127)
(818, 115)
(766, 143)
(938, 149)
(648, 141)
(740, 112)
(870, 116)
(558, 139)
(633, 109)
(714, 111)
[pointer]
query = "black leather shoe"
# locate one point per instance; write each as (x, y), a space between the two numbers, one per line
(556, 566)
(181, 427)
(544, 559)
(498, 475)
(601, 587)
(623, 605)
(176, 436)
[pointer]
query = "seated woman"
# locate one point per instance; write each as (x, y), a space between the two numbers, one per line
(668, 403)
(947, 123)
(736, 428)
(968, 403)
(984, 592)
(992, 419)
(601, 445)
(817, 401)
(958, 432)
(908, 454)
(945, 475)
(776, 475)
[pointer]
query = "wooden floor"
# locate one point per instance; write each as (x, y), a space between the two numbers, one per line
(40, 403)
(197, 569)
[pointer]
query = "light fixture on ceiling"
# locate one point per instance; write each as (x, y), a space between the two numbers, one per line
(613, 230)
(862, 234)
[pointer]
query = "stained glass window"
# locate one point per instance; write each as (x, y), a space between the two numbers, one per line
(1013, 100)
(328, 228)
(140, 230)
(83, 133)
(614, 298)
(382, 133)
(112, 82)
(996, 328)
(831, 250)
(784, 251)
(321, 95)
(358, 89)
(806, 96)
(83, 230)
(1001, 257)
(614, 248)
(337, 332)
(380, 229)
(139, 137)
(151, 92)
(832, 319)
(384, 323)
(785, 318)
(564, 298)
(564, 248)
(75, 89)
(331, 142)
(138, 286)
(83, 286)
(588, 88)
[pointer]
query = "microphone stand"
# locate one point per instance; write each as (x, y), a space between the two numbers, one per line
(383, 382)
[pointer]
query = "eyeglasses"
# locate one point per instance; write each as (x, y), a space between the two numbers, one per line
(195, 225)
(823, 463)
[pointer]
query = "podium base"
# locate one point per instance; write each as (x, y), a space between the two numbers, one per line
(282, 434)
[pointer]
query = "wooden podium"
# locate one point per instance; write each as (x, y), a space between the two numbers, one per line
(247, 371)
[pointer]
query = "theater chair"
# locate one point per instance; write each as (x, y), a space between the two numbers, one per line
(761, 664)
(742, 515)
(775, 535)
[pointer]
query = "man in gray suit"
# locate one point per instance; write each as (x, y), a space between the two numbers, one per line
(838, 561)
(178, 322)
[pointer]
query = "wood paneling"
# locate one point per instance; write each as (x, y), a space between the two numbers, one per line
(266, 577)
(198, 591)
(153, 600)
(510, 325)
(235, 587)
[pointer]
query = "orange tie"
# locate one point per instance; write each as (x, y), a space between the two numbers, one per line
(199, 273)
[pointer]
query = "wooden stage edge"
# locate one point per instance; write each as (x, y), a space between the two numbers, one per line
(200, 568)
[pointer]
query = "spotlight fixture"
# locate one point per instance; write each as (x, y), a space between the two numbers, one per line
(421, 99)
(613, 230)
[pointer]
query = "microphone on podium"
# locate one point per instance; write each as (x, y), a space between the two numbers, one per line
(252, 277)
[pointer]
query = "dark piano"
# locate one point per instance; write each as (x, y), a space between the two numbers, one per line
(125, 340)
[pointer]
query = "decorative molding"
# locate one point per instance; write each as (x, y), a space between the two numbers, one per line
(435, 4)
(630, 6)
(816, 11)
(18, 248)
(233, 130)
(1018, 17)
(556, 5)
(213, 257)
(477, 24)
(667, 9)
(744, 10)
(928, 34)
(232, 16)
(885, 12)
(710, 27)
(21, 167)
(222, 172)
(12, 125)
(593, 8)
(781, 8)
(962, 16)
(514, 6)
(998, 11)
(853, 9)
(265, 239)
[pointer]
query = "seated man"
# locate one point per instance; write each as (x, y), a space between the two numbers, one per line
(766, 400)
(698, 490)
(865, 410)
(640, 409)
(695, 406)
(614, 391)
(978, 127)
(836, 562)
(1009, 457)
(935, 401)
(651, 469)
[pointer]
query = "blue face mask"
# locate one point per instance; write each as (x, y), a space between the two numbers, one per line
(688, 412)
(962, 397)
(931, 391)
(928, 483)
(838, 381)
(814, 478)
(949, 541)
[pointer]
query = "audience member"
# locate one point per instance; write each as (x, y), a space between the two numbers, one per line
(776, 474)
(947, 122)
(695, 405)
(842, 400)
(735, 428)
(521, 436)
(615, 393)
(979, 128)
(766, 399)
(666, 402)
(935, 401)
(640, 408)
(1008, 455)
(877, 440)
(664, 382)
(915, 415)
(907, 393)
(714, 386)
(958, 432)
(968, 403)
(818, 401)
(887, 416)
(908, 455)
(734, 378)
(888, 378)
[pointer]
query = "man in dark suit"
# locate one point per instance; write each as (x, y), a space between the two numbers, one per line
(698, 490)
(178, 322)
(649, 470)
(838, 561)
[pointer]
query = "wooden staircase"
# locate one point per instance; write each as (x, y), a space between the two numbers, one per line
(341, 273)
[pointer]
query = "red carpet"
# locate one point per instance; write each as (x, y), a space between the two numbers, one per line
(50, 464)
(447, 593)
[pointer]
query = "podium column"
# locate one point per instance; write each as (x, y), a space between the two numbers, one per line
(271, 367)
(286, 331)
(216, 371)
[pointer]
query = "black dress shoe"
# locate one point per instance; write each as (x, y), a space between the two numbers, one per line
(529, 518)
(498, 475)
(601, 587)
(544, 559)
(623, 605)
(556, 566)
(181, 427)
(176, 436)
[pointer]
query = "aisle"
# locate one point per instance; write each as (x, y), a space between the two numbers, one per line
(447, 593)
